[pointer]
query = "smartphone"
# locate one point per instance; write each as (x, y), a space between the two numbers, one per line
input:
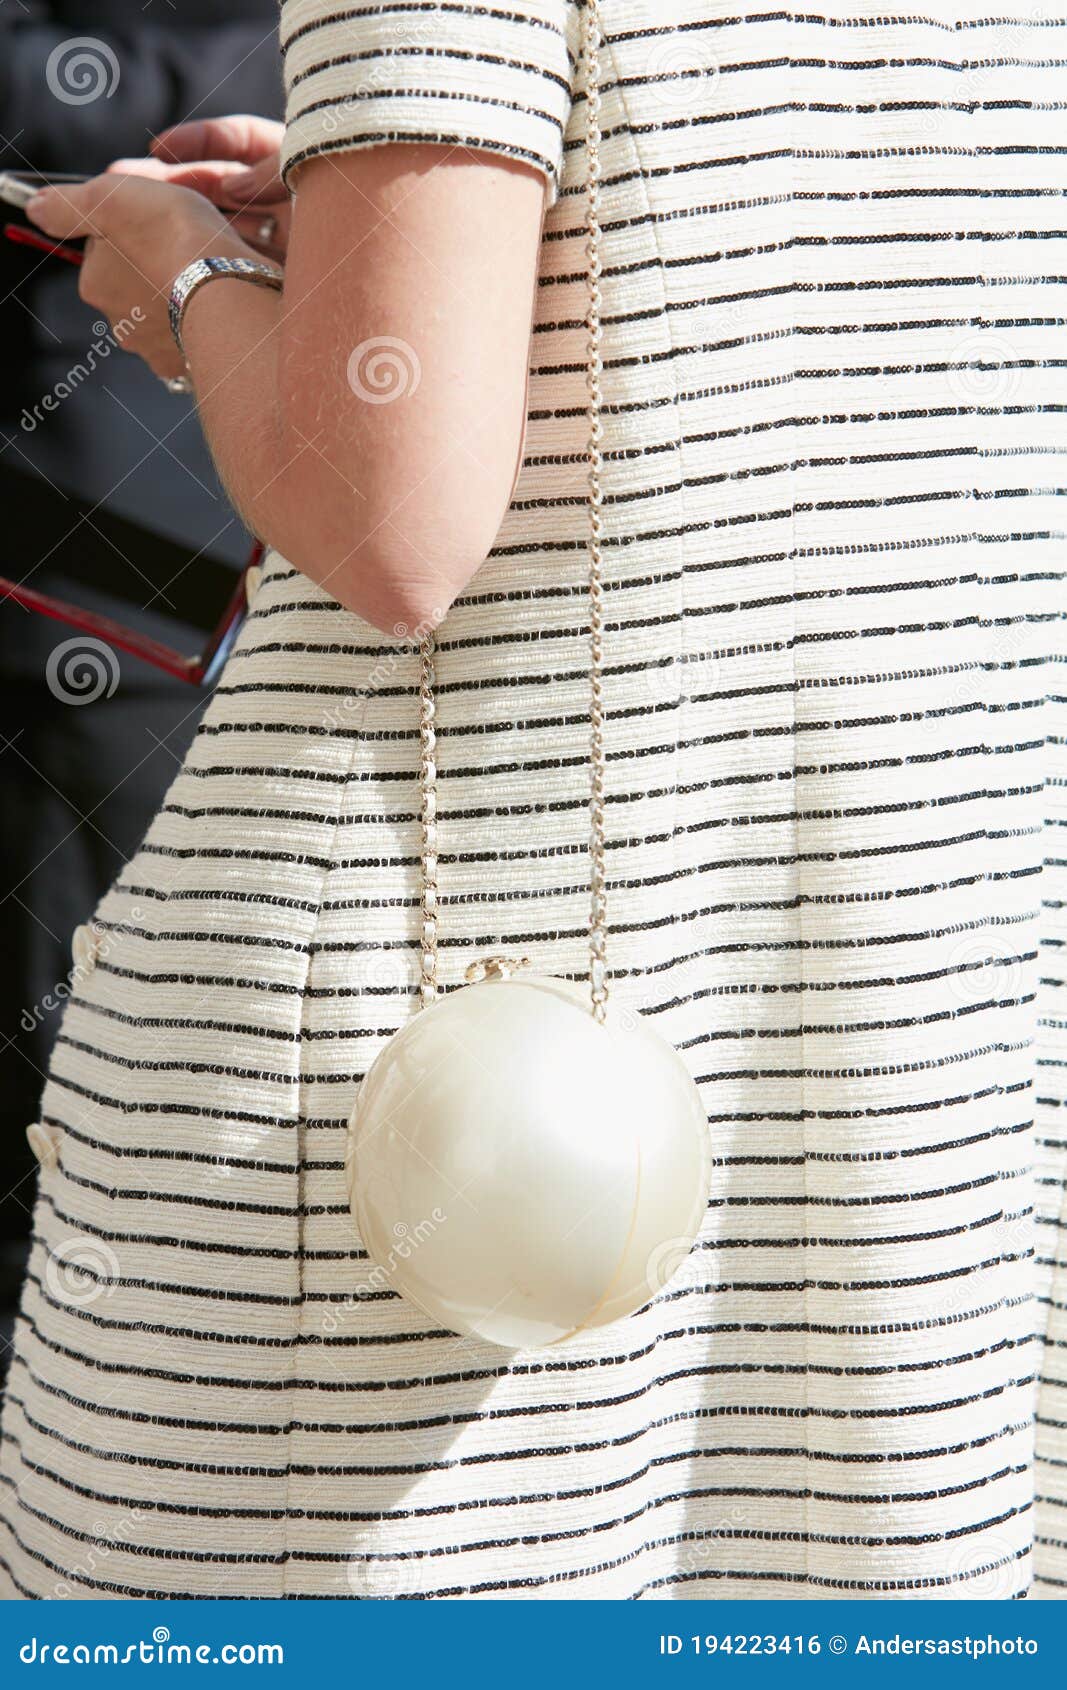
(17, 189)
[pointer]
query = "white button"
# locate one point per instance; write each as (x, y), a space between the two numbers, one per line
(43, 1144)
(252, 581)
(84, 947)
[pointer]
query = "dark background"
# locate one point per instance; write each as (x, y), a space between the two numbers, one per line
(111, 501)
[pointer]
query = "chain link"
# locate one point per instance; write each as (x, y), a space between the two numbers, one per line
(598, 914)
(428, 819)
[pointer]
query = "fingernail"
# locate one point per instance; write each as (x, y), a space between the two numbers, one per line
(37, 208)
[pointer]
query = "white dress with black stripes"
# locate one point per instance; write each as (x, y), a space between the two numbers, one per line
(835, 378)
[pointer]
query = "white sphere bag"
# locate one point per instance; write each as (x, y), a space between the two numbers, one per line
(523, 1171)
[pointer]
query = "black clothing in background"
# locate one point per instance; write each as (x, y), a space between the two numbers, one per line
(205, 58)
(105, 500)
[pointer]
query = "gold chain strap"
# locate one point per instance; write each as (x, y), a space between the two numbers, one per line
(598, 916)
(428, 763)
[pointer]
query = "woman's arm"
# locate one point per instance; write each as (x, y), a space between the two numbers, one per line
(380, 451)
(390, 499)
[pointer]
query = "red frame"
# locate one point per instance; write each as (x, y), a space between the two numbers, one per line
(201, 670)
(21, 236)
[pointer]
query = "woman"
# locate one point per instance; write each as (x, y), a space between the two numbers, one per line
(834, 613)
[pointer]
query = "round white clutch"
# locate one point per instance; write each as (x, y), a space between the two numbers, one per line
(523, 1172)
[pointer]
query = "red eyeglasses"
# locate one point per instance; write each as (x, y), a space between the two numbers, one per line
(201, 669)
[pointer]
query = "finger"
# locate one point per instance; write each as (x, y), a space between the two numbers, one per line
(250, 225)
(262, 185)
(141, 167)
(245, 139)
(209, 178)
(69, 210)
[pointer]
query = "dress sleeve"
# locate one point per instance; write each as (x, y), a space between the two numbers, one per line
(446, 71)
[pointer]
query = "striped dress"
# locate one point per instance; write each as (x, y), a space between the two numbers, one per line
(835, 264)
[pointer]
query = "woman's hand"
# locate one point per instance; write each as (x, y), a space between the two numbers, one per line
(142, 231)
(234, 162)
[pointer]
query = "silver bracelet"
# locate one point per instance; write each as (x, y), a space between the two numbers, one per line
(201, 270)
